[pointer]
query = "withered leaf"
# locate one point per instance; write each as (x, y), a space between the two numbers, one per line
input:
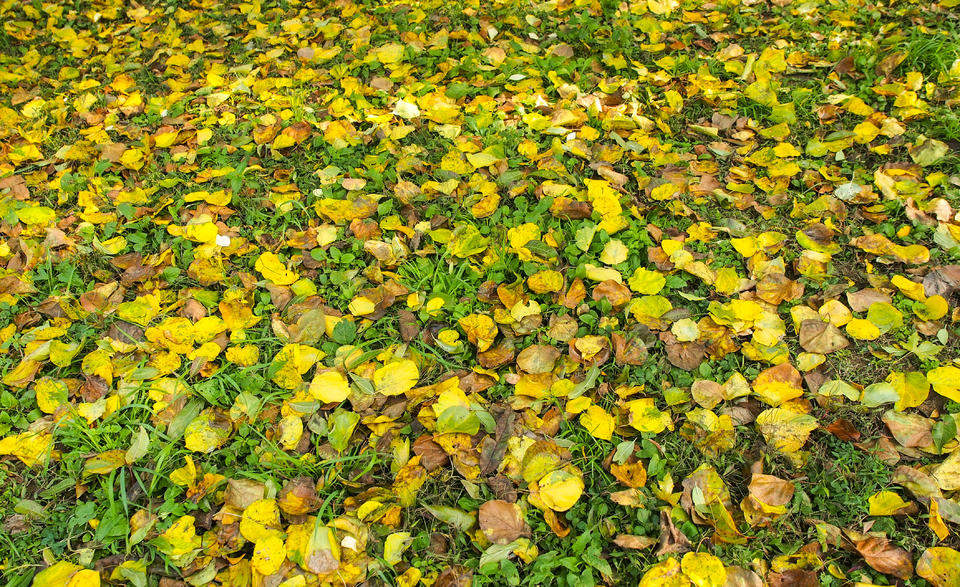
(502, 521)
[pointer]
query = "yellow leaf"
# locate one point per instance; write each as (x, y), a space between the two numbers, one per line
(406, 110)
(289, 431)
(560, 490)
(778, 384)
(601, 274)
(785, 429)
(518, 236)
(598, 422)
(865, 132)
(886, 503)
(933, 308)
(330, 387)
(105, 462)
(60, 574)
(51, 394)
(272, 269)
(83, 578)
(361, 306)
(132, 159)
(411, 577)
(180, 538)
(544, 281)
(387, 54)
(482, 159)
(31, 448)
(166, 139)
(646, 282)
(947, 473)
(480, 330)
(260, 520)
(217, 198)
(703, 569)
(243, 356)
(294, 360)
(614, 252)
(606, 202)
(268, 554)
(662, 7)
(139, 311)
(396, 377)
(185, 475)
(935, 522)
(862, 329)
(940, 565)
(394, 547)
(909, 288)
(912, 389)
(208, 431)
(40, 215)
(644, 416)
(946, 381)
(665, 574)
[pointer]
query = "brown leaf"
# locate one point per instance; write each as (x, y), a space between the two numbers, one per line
(502, 522)
(628, 498)
(503, 488)
(574, 294)
(112, 152)
(432, 456)
(920, 484)
(491, 455)
(616, 293)
(496, 357)
(685, 355)
(299, 496)
(322, 561)
(242, 492)
(889, 63)
(672, 540)
(538, 358)
(847, 66)
(16, 524)
(298, 131)
(861, 300)
(777, 288)
(616, 179)
(793, 578)
(843, 429)
(910, 430)
(885, 557)
(741, 577)
(561, 50)
(942, 281)
(409, 327)
(455, 576)
(562, 328)
(821, 337)
(629, 349)
(634, 542)
(770, 490)
(631, 474)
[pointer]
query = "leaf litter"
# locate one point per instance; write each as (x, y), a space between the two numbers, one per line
(571, 292)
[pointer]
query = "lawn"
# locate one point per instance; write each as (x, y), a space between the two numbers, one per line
(576, 292)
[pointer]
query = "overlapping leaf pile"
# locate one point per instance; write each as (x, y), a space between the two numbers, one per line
(299, 292)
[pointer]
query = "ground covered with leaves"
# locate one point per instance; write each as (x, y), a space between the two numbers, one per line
(426, 293)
